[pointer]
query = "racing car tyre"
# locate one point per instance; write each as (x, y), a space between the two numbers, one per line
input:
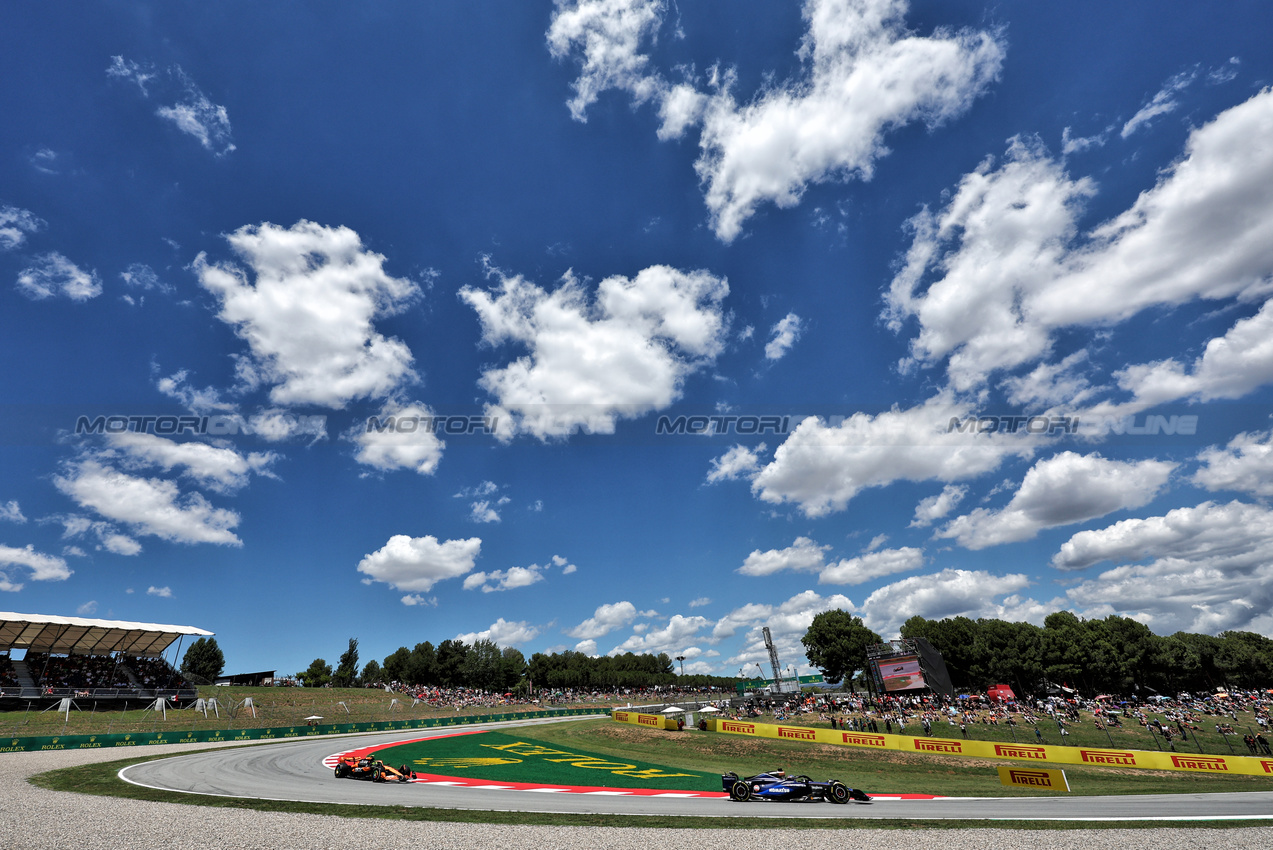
(839, 793)
(406, 772)
(740, 792)
(342, 770)
(377, 775)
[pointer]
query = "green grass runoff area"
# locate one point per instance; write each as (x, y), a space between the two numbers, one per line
(515, 757)
(711, 754)
(891, 772)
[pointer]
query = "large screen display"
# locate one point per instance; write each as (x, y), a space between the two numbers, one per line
(900, 673)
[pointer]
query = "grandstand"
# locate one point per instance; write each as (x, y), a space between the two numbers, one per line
(46, 658)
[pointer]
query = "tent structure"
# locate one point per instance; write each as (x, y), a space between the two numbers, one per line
(82, 636)
(1001, 693)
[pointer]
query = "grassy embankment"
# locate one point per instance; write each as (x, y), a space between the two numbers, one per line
(283, 707)
(274, 707)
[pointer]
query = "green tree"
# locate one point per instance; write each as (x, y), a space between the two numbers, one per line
(1063, 662)
(1135, 652)
(395, 666)
(482, 666)
(1007, 653)
(422, 665)
(318, 675)
(346, 675)
(372, 674)
(1246, 659)
(203, 659)
(836, 643)
(512, 668)
(451, 654)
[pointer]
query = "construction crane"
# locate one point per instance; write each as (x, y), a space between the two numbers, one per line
(773, 660)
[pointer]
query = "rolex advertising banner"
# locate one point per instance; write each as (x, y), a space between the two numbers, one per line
(235, 736)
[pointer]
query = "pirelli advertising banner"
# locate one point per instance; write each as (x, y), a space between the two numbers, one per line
(1034, 777)
(649, 721)
(1098, 757)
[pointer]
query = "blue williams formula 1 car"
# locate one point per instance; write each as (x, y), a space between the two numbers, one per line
(776, 785)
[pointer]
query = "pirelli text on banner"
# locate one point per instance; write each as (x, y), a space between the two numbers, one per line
(1030, 777)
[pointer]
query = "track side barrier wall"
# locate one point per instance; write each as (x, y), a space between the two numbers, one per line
(15, 744)
(1097, 756)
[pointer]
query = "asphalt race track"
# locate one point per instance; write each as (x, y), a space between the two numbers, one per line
(294, 770)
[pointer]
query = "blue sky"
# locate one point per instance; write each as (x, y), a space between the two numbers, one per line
(721, 314)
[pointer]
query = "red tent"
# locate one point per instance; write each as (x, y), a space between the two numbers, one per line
(1001, 693)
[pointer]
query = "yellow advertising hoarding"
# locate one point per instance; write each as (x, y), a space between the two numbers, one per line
(1096, 756)
(650, 721)
(1034, 777)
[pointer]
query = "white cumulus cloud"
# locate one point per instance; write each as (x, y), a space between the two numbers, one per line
(148, 506)
(502, 633)
(823, 465)
(783, 335)
(417, 563)
(1244, 465)
(508, 579)
(218, 467)
(408, 442)
(607, 35)
(739, 462)
(949, 593)
(803, 555)
(1230, 366)
(308, 316)
(1003, 266)
(1061, 490)
(872, 565)
(592, 361)
(42, 567)
(1201, 569)
(604, 620)
(932, 508)
(864, 74)
(15, 225)
(53, 275)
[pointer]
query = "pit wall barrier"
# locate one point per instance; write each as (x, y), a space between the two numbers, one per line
(234, 736)
(1096, 756)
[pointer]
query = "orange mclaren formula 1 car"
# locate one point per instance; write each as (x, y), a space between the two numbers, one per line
(373, 769)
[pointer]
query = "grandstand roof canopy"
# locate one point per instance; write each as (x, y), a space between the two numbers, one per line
(81, 636)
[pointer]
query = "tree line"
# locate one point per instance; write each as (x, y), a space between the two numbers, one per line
(484, 665)
(576, 671)
(1116, 655)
